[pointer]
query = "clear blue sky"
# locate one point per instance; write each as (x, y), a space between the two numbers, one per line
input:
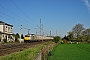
(60, 15)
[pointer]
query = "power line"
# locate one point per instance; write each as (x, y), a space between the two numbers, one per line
(14, 19)
(16, 14)
(9, 11)
(12, 13)
(10, 17)
(6, 18)
(22, 11)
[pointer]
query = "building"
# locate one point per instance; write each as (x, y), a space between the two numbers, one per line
(6, 32)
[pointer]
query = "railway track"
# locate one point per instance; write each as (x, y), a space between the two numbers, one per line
(10, 48)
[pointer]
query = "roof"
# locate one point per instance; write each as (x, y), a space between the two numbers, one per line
(6, 23)
(6, 33)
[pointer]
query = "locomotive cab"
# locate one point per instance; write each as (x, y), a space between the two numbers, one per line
(27, 38)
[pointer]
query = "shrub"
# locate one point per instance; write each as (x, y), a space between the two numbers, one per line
(56, 39)
(5, 40)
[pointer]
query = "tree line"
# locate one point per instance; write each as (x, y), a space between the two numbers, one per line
(78, 33)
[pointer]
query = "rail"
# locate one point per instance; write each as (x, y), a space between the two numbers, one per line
(10, 48)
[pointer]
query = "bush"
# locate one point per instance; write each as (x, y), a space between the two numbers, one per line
(50, 54)
(56, 39)
(62, 42)
(16, 40)
(5, 40)
(17, 37)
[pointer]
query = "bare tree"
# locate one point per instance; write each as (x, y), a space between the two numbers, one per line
(77, 29)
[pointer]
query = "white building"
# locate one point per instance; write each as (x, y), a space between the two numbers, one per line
(6, 32)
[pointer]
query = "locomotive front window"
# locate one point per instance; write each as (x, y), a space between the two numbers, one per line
(27, 36)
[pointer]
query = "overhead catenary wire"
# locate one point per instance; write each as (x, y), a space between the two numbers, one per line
(8, 19)
(9, 11)
(10, 16)
(23, 12)
(17, 15)
(13, 13)
(13, 17)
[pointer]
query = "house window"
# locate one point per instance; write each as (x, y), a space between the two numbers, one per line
(6, 26)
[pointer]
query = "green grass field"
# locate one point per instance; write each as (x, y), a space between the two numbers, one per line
(71, 52)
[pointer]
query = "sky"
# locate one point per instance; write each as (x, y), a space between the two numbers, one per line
(55, 15)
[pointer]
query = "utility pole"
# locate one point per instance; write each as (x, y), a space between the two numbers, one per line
(56, 32)
(40, 26)
(36, 30)
(20, 32)
(42, 32)
(50, 33)
(28, 31)
(36, 33)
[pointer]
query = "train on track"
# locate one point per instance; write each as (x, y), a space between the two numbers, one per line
(34, 37)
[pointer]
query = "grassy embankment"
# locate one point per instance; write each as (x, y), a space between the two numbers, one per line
(27, 54)
(71, 52)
